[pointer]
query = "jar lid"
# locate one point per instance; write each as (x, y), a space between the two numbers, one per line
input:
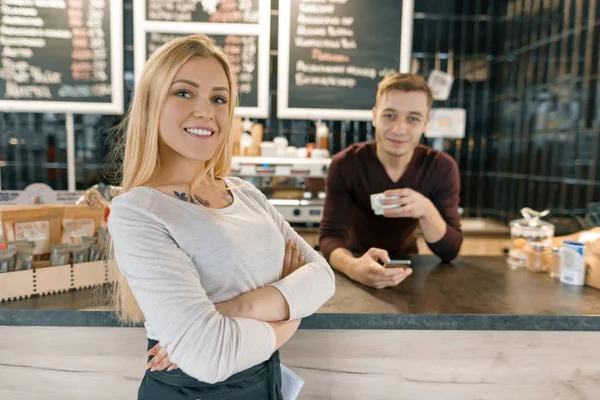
(531, 219)
(247, 125)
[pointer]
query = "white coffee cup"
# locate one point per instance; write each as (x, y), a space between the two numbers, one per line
(302, 152)
(291, 151)
(280, 143)
(319, 154)
(267, 149)
(379, 208)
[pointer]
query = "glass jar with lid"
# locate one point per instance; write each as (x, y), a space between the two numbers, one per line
(526, 232)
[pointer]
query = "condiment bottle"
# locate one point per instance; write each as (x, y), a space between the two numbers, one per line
(535, 257)
(322, 136)
(554, 271)
(309, 148)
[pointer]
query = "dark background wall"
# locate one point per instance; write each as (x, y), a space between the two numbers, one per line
(546, 107)
(526, 71)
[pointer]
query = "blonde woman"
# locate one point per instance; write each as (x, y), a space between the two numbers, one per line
(201, 254)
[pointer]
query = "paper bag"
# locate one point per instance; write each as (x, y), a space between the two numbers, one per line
(290, 383)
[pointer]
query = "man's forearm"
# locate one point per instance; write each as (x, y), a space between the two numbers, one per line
(433, 225)
(264, 304)
(342, 260)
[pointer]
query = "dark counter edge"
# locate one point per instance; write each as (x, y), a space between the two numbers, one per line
(464, 322)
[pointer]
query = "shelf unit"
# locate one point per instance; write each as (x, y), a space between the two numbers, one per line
(279, 166)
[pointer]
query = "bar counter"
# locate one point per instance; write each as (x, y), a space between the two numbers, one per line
(474, 329)
(472, 293)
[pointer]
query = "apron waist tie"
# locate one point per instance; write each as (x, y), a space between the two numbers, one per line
(179, 378)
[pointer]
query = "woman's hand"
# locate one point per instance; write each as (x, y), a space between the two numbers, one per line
(292, 260)
(160, 361)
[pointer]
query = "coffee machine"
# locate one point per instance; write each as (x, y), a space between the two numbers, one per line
(294, 186)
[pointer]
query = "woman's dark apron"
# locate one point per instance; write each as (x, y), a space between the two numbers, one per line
(261, 382)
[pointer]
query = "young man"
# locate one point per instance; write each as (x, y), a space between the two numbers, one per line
(424, 182)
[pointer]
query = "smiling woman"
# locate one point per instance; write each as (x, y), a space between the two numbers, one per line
(195, 116)
(191, 243)
(201, 86)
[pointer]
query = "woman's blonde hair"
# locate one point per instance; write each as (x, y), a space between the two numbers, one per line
(138, 143)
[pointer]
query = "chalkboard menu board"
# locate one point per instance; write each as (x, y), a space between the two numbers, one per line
(242, 53)
(239, 27)
(212, 11)
(333, 53)
(61, 56)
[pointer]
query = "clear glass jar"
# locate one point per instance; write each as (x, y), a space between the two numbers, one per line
(7, 258)
(526, 232)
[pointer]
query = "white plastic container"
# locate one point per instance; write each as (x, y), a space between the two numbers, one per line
(572, 270)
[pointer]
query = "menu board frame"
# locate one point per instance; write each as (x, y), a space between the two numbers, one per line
(142, 26)
(116, 105)
(284, 111)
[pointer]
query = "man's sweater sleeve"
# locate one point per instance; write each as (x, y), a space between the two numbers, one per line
(446, 199)
(336, 211)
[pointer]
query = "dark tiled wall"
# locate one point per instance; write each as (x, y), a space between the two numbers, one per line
(546, 107)
(457, 37)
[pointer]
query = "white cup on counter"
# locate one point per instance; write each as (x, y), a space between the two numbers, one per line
(267, 149)
(320, 154)
(376, 205)
(302, 152)
(280, 144)
(291, 151)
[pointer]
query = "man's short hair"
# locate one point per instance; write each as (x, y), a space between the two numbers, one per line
(405, 83)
